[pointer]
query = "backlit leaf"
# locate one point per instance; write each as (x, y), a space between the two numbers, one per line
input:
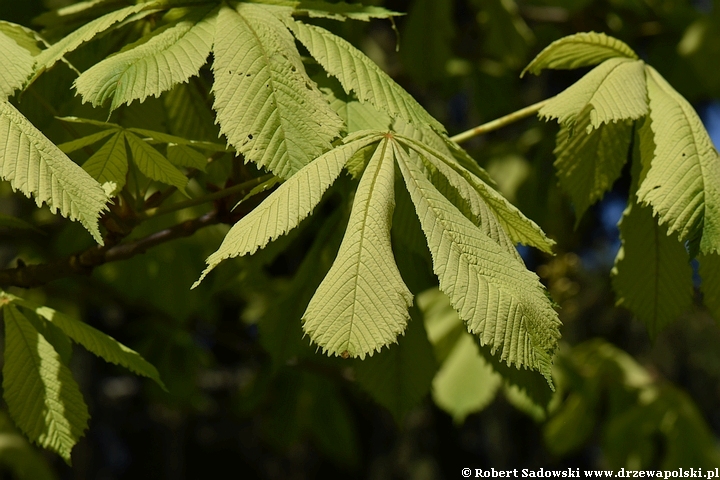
(35, 166)
(266, 105)
(614, 90)
(154, 64)
(683, 180)
(362, 304)
(42, 397)
(579, 50)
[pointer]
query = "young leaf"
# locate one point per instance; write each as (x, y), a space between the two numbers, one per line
(465, 382)
(188, 113)
(17, 65)
(34, 165)
(286, 207)
(184, 156)
(519, 228)
(41, 394)
(167, 56)
(160, 137)
(26, 38)
(341, 10)
(683, 181)
(92, 339)
(588, 164)
(362, 304)
(461, 193)
(357, 73)
(109, 164)
(398, 378)
(710, 286)
(47, 58)
(153, 164)
(86, 141)
(266, 105)
(652, 276)
(614, 90)
(493, 292)
(579, 50)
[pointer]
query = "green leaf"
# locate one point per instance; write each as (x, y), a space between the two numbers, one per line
(652, 276)
(465, 198)
(8, 221)
(341, 10)
(359, 74)
(579, 50)
(266, 105)
(495, 295)
(42, 397)
(285, 207)
(614, 90)
(507, 36)
(94, 341)
(710, 285)
(160, 137)
(23, 36)
(184, 156)
(19, 457)
(683, 181)
(519, 228)
(362, 304)
(588, 164)
(34, 165)
(188, 112)
(399, 377)
(17, 66)
(47, 58)
(86, 141)
(153, 164)
(152, 65)
(572, 424)
(109, 165)
(465, 382)
(442, 144)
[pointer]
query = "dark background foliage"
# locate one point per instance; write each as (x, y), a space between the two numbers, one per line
(233, 407)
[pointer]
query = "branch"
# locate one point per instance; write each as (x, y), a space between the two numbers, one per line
(499, 122)
(84, 263)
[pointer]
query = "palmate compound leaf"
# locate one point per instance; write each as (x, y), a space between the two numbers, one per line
(357, 73)
(42, 397)
(518, 227)
(48, 57)
(579, 50)
(153, 164)
(362, 304)
(266, 105)
(613, 91)
(109, 164)
(682, 183)
(35, 166)
(17, 64)
(589, 161)
(93, 340)
(287, 206)
(652, 276)
(495, 295)
(154, 64)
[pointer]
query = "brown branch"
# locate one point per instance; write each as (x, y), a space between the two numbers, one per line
(30, 276)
